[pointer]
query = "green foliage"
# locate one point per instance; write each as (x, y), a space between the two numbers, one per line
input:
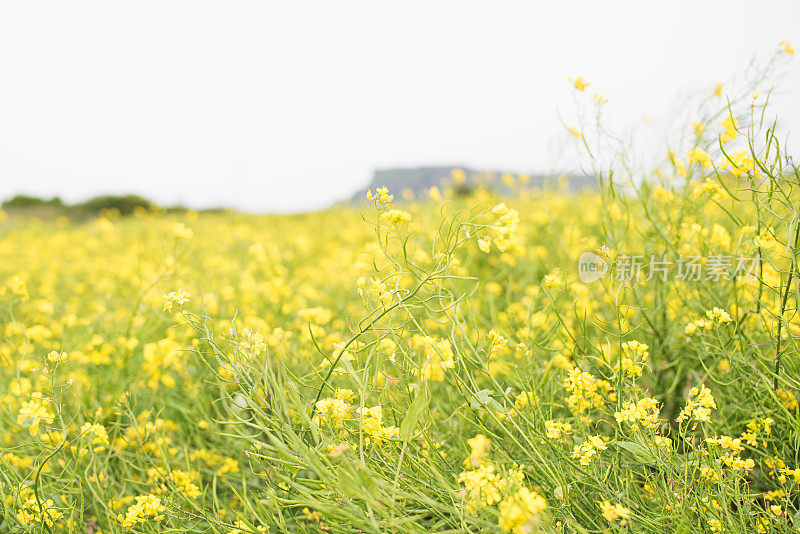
(124, 205)
(27, 201)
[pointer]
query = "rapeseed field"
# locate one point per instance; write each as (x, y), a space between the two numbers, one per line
(618, 359)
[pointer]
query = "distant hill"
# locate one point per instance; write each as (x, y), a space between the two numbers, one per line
(420, 179)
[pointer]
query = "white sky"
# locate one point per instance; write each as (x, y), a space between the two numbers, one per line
(282, 106)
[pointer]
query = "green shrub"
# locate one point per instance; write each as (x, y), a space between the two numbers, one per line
(28, 201)
(125, 204)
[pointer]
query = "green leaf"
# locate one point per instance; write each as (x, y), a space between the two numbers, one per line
(483, 399)
(409, 423)
(357, 482)
(639, 451)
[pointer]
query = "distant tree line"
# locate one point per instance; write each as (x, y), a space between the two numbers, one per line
(122, 204)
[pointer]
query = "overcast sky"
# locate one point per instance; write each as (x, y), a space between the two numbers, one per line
(284, 106)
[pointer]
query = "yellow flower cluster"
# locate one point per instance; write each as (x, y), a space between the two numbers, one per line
(502, 233)
(519, 512)
(556, 429)
(553, 279)
(640, 414)
(181, 231)
(99, 436)
(699, 406)
(613, 512)
(479, 448)
(715, 316)
(519, 507)
(586, 451)
(700, 156)
(755, 429)
(381, 196)
(175, 299)
(634, 356)
(57, 357)
(396, 216)
(779, 470)
(16, 287)
(586, 391)
(243, 528)
(740, 163)
(378, 289)
(332, 411)
(729, 124)
(484, 486)
(709, 185)
(181, 481)
(525, 399)
(786, 398)
(372, 426)
(731, 458)
(29, 512)
(726, 442)
(147, 507)
(34, 412)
